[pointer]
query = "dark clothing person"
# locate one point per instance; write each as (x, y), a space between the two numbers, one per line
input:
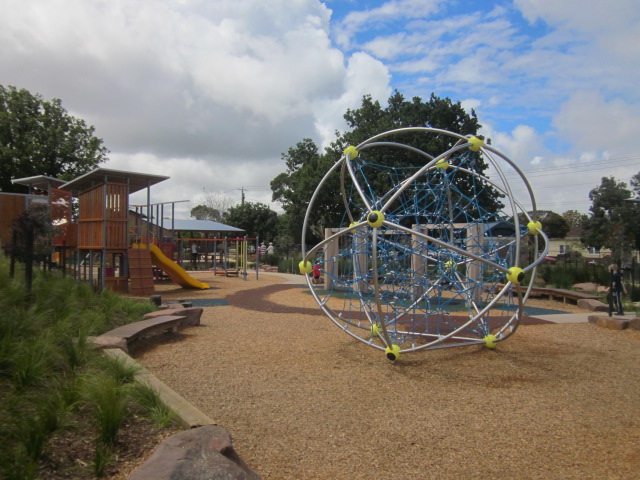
(616, 289)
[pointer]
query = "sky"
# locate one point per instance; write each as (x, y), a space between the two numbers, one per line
(212, 92)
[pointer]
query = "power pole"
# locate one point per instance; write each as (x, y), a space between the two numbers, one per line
(242, 198)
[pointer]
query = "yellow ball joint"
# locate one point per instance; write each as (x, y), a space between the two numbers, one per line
(375, 330)
(351, 152)
(515, 275)
(442, 164)
(375, 219)
(476, 144)
(534, 227)
(490, 341)
(392, 352)
(305, 267)
(450, 265)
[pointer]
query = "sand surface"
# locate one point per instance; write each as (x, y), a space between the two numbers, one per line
(303, 400)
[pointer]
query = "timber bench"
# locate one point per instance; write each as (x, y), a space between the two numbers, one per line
(559, 294)
(122, 337)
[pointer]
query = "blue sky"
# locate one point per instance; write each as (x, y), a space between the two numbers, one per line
(211, 93)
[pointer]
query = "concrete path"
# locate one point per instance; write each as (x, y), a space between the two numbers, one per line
(555, 318)
(579, 317)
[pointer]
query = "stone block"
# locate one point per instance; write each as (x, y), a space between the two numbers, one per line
(203, 453)
(592, 305)
(176, 310)
(612, 323)
(192, 316)
(111, 341)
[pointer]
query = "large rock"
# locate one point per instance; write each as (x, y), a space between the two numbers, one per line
(612, 323)
(585, 287)
(634, 323)
(203, 453)
(593, 305)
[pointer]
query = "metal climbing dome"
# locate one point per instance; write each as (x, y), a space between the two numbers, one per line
(418, 262)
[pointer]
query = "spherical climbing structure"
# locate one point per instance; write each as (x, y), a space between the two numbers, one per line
(424, 258)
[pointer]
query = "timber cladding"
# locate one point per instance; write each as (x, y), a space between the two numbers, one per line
(11, 205)
(102, 220)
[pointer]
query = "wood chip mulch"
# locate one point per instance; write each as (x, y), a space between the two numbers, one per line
(304, 400)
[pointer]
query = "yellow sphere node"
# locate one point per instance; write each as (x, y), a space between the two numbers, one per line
(450, 264)
(534, 227)
(515, 275)
(351, 152)
(375, 219)
(305, 267)
(353, 224)
(490, 341)
(392, 352)
(442, 164)
(375, 330)
(476, 143)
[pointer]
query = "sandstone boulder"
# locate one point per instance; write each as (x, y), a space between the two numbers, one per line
(593, 305)
(203, 453)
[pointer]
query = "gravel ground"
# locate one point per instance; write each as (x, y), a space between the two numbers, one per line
(304, 400)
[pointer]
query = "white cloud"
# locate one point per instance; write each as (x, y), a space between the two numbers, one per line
(591, 122)
(365, 76)
(210, 93)
(390, 11)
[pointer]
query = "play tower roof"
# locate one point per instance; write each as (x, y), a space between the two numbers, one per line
(135, 181)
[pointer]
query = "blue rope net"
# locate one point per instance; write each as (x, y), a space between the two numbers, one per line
(432, 273)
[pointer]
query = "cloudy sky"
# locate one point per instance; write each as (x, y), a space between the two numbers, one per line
(211, 92)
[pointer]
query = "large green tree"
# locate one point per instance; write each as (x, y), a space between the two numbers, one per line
(554, 225)
(306, 166)
(39, 137)
(613, 222)
(257, 219)
(202, 212)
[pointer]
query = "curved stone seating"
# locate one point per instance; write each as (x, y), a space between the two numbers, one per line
(122, 337)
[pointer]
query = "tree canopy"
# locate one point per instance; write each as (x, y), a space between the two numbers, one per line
(39, 137)
(306, 165)
(613, 221)
(257, 219)
(553, 224)
(202, 212)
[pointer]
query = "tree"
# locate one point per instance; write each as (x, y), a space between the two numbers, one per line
(202, 212)
(306, 166)
(612, 223)
(553, 224)
(294, 187)
(215, 203)
(574, 218)
(635, 184)
(257, 219)
(38, 137)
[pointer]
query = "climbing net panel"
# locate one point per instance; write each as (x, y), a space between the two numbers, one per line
(426, 256)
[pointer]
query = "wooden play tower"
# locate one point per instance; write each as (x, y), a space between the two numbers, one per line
(103, 242)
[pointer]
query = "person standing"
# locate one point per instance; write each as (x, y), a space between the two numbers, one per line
(270, 249)
(616, 289)
(194, 255)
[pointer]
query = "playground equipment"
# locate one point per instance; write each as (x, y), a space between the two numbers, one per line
(418, 261)
(176, 273)
(96, 248)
